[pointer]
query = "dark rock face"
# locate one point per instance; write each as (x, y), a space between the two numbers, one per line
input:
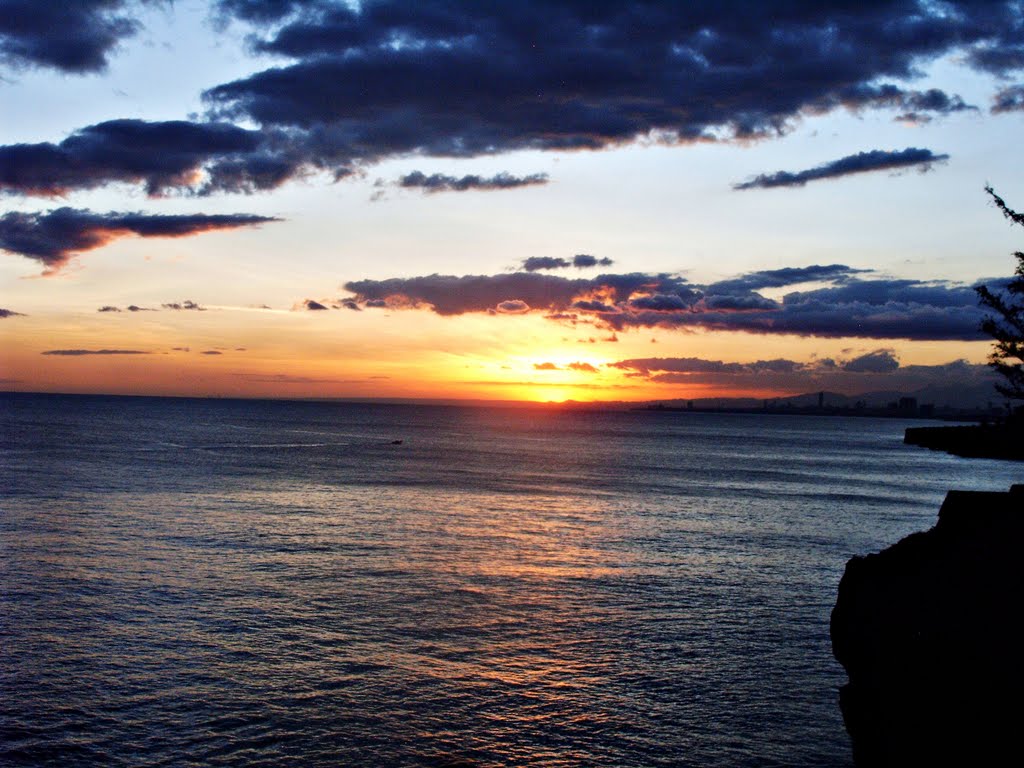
(927, 631)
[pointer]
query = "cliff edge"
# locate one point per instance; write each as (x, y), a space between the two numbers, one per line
(927, 633)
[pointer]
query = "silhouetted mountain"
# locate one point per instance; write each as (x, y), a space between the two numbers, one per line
(980, 396)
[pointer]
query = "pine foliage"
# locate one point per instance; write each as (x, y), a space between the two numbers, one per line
(1005, 324)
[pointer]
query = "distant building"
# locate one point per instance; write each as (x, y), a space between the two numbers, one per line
(907, 405)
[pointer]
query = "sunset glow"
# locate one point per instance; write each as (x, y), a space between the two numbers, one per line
(174, 219)
(457, 383)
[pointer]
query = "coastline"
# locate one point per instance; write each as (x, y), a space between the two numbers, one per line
(980, 441)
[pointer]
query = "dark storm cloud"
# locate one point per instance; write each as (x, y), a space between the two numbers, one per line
(9, 313)
(862, 162)
(54, 237)
(438, 182)
(73, 37)
(537, 263)
(315, 306)
(81, 352)
(367, 78)
(162, 156)
(362, 82)
(850, 306)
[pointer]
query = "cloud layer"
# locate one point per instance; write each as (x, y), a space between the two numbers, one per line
(589, 75)
(53, 238)
(851, 304)
(360, 83)
(875, 370)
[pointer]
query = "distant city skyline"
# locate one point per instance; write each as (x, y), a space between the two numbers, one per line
(534, 201)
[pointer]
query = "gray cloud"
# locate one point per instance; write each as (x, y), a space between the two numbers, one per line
(1009, 99)
(81, 352)
(913, 106)
(537, 263)
(779, 278)
(583, 260)
(862, 162)
(53, 238)
(187, 305)
(580, 261)
(322, 304)
(9, 313)
(440, 183)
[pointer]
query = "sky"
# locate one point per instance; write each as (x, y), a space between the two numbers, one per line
(514, 201)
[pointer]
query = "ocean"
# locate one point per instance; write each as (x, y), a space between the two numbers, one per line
(246, 583)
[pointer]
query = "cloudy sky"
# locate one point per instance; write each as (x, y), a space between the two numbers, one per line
(528, 200)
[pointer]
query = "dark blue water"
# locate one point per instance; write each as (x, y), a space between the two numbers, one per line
(201, 582)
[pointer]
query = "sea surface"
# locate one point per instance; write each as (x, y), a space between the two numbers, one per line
(247, 583)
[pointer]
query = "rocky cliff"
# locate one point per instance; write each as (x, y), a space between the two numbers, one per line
(927, 632)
